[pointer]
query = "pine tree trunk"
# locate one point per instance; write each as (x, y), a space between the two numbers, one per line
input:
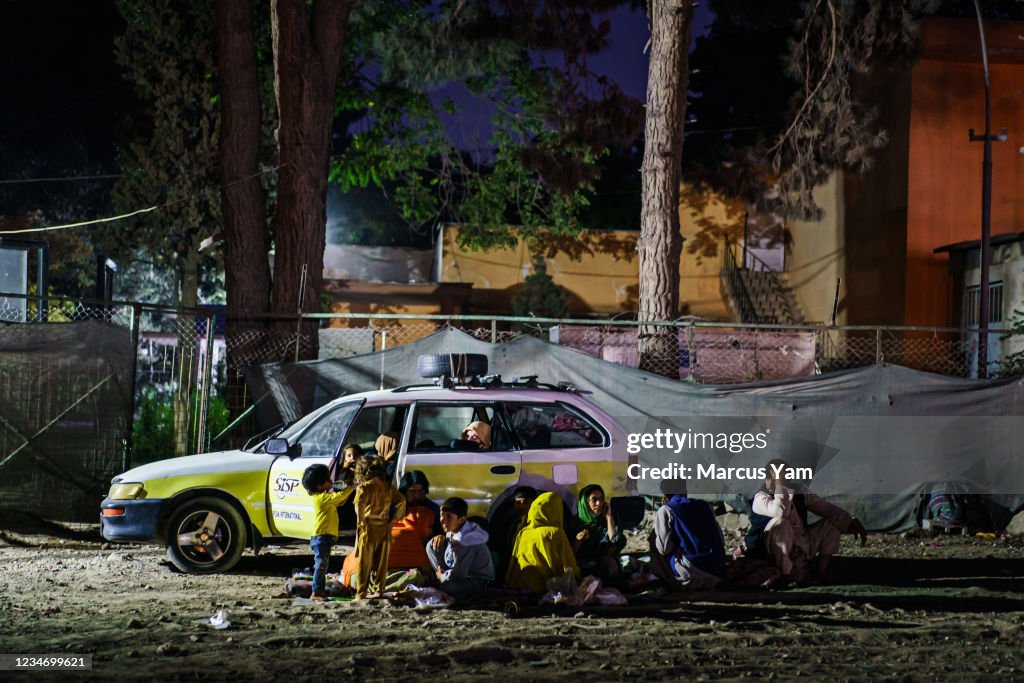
(660, 240)
(307, 56)
(243, 201)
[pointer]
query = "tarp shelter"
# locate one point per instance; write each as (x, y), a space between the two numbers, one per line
(876, 438)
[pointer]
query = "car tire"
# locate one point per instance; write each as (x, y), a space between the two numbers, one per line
(452, 364)
(205, 536)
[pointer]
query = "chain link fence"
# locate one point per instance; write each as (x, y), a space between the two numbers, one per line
(89, 389)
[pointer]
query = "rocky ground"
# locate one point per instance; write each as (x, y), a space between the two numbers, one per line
(902, 608)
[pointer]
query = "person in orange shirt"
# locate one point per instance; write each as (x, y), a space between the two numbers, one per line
(409, 535)
(317, 482)
(378, 504)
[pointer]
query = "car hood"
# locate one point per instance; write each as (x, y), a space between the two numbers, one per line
(203, 463)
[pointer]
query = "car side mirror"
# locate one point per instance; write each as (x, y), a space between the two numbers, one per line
(277, 446)
(463, 445)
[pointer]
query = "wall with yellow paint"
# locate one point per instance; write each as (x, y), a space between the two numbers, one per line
(815, 254)
(599, 269)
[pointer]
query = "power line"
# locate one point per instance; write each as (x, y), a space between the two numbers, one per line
(138, 211)
(78, 225)
(64, 179)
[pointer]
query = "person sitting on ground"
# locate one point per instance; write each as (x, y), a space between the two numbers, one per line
(460, 558)
(479, 433)
(687, 537)
(779, 529)
(522, 499)
(415, 486)
(409, 536)
(598, 540)
(316, 479)
(542, 550)
(378, 504)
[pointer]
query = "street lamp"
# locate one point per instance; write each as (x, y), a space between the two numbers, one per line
(986, 205)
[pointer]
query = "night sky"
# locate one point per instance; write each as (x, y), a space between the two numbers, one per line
(64, 99)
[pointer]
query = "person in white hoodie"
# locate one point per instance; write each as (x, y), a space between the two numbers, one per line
(460, 558)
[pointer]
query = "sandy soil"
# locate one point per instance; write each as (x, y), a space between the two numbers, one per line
(901, 609)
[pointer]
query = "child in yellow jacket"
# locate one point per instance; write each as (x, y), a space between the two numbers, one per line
(317, 482)
(378, 504)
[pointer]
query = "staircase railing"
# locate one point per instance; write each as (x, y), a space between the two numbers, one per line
(737, 285)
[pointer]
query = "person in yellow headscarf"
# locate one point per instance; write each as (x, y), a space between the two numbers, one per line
(542, 550)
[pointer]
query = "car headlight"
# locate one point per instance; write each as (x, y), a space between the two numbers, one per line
(129, 491)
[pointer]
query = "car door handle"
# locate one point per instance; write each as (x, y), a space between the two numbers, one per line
(503, 469)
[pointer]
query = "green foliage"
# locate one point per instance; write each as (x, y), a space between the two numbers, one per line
(540, 297)
(170, 159)
(547, 131)
(153, 429)
(1012, 364)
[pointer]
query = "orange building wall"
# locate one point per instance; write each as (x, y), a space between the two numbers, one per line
(945, 168)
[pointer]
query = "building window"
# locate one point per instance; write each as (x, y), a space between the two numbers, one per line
(972, 304)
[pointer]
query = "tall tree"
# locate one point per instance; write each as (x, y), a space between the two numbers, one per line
(308, 37)
(243, 200)
(660, 241)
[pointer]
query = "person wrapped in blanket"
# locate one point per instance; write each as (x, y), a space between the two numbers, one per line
(407, 560)
(542, 550)
(779, 529)
(598, 540)
(687, 546)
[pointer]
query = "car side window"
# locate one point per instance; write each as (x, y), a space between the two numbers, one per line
(553, 425)
(436, 425)
(323, 438)
(374, 421)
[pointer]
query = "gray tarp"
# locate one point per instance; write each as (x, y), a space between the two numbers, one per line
(875, 438)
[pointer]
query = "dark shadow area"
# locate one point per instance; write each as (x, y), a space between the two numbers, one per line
(27, 523)
(979, 573)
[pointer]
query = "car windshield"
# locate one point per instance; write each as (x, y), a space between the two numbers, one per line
(300, 426)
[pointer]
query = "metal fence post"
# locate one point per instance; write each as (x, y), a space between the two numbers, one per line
(878, 345)
(204, 389)
(129, 442)
(494, 331)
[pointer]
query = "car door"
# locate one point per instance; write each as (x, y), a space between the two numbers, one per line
(478, 476)
(290, 508)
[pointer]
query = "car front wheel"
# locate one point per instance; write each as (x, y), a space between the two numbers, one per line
(205, 536)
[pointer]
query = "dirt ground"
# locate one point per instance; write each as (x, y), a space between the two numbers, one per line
(902, 608)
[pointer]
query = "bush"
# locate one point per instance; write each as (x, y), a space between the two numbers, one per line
(153, 430)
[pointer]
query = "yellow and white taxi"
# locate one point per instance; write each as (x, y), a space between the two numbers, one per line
(208, 508)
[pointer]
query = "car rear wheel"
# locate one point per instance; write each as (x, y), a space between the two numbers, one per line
(205, 536)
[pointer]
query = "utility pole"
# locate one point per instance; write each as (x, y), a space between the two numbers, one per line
(986, 205)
